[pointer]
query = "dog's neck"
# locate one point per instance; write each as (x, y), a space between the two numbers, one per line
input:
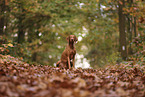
(71, 45)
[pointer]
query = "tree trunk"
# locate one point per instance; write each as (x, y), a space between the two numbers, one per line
(2, 9)
(122, 34)
(129, 30)
(99, 7)
(21, 33)
(34, 57)
(134, 26)
(129, 35)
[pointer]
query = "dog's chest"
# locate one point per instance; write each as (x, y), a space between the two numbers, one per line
(72, 53)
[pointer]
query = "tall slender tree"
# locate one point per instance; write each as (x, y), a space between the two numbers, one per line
(129, 27)
(21, 33)
(122, 33)
(2, 9)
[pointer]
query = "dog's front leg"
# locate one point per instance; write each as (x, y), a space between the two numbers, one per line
(74, 62)
(68, 63)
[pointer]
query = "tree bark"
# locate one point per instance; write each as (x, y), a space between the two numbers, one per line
(99, 7)
(122, 33)
(21, 33)
(34, 56)
(2, 9)
(129, 30)
(134, 26)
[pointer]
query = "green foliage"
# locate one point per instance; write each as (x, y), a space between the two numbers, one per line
(139, 43)
(47, 23)
(139, 48)
(113, 58)
(16, 50)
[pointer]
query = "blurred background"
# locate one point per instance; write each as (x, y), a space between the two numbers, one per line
(108, 31)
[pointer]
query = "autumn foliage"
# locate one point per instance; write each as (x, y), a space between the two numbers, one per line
(20, 79)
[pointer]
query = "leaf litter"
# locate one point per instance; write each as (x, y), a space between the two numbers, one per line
(18, 79)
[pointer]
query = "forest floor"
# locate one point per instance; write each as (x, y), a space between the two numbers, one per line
(20, 79)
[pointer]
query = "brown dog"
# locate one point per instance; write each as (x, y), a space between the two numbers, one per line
(68, 56)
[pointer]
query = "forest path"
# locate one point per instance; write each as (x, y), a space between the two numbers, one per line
(18, 78)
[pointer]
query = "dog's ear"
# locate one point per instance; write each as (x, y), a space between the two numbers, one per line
(67, 39)
(76, 39)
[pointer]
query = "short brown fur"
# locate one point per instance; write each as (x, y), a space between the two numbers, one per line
(68, 56)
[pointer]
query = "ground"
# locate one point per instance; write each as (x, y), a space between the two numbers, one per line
(20, 79)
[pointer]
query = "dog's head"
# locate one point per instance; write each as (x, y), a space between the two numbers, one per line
(72, 38)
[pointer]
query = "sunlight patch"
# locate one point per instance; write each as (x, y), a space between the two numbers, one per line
(79, 38)
(81, 62)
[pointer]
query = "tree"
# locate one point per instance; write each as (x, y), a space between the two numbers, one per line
(122, 36)
(21, 17)
(39, 28)
(129, 28)
(2, 10)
